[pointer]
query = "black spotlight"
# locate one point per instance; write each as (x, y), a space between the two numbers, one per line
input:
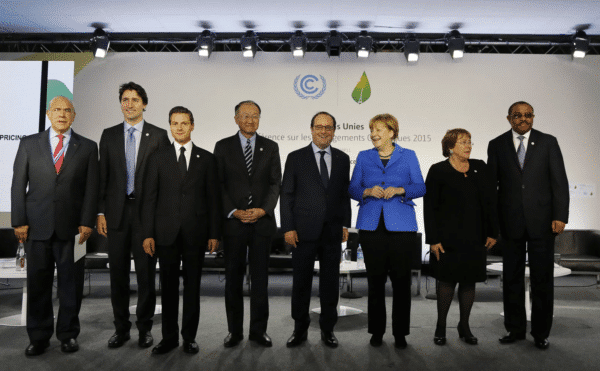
(580, 44)
(456, 44)
(249, 44)
(333, 43)
(298, 44)
(411, 48)
(206, 43)
(364, 44)
(99, 43)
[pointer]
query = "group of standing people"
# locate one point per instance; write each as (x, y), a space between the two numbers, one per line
(151, 198)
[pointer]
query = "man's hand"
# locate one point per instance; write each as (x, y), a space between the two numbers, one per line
(21, 233)
(250, 215)
(376, 192)
(84, 233)
(436, 249)
(149, 246)
(390, 192)
(345, 235)
(101, 225)
(291, 238)
(558, 227)
(490, 242)
(213, 245)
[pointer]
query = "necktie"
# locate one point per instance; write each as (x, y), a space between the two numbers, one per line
(181, 162)
(521, 151)
(130, 160)
(248, 158)
(59, 154)
(324, 172)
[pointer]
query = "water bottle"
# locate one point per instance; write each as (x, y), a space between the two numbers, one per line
(360, 258)
(21, 258)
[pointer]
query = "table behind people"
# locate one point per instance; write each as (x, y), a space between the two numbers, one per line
(124, 152)
(53, 198)
(385, 180)
(249, 171)
(533, 206)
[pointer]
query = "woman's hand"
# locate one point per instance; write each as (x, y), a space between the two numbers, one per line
(490, 242)
(376, 192)
(390, 192)
(436, 249)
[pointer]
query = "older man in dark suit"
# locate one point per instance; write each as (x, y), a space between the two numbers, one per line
(250, 176)
(124, 152)
(315, 214)
(533, 206)
(181, 216)
(53, 198)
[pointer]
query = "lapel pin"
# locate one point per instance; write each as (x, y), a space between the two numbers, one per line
(474, 171)
(197, 155)
(261, 149)
(147, 134)
(532, 143)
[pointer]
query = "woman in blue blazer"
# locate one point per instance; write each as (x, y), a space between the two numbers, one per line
(385, 181)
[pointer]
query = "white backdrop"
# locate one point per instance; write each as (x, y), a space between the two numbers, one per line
(428, 98)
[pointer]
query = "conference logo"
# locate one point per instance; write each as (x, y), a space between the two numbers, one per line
(362, 91)
(310, 86)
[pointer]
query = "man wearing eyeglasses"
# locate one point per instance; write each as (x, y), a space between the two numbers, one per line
(533, 207)
(315, 213)
(250, 176)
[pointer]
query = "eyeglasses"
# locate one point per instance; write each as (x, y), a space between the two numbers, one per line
(323, 128)
(467, 144)
(247, 117)
(517, 116)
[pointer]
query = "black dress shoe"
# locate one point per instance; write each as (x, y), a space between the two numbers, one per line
(329, 339)
(400, 342)
(232, 340)
(467, 336)
(146, 340)
(117, 340)
(376, 340)
(263, 339)
(36, 348)
(542, 344)
(511, 337)
(190, 347)
(296, 339)
(439, 338)
(165, 347)
(69, 346)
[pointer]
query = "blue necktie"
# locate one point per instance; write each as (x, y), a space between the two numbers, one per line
(521, 151)
(130, 160)
(324, 172)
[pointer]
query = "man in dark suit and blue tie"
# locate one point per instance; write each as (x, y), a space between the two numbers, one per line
(250, 176)
(124, 152)
(315, 214)
(181, 216)
(533, 207)
(53, 198)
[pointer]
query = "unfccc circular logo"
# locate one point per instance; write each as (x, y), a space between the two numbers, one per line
(310, 86)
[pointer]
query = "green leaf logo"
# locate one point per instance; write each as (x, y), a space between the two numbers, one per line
(362, 91)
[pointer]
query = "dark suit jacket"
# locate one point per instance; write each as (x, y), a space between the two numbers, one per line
(113, 169)
(173, 203)
(305, 203)
(539, 193)
(54, 202)
(236, 184)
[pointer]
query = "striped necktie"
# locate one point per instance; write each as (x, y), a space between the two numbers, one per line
(248, 158)
(521, 151)
(59, 154)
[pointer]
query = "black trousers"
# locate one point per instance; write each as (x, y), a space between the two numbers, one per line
(41, 259)
(303, 263)
(257, 247)
(541, 268)
(192, 259)
(388, 254)
(122, 244)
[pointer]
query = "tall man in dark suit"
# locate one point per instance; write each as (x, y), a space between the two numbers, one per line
(53, 197)
(315, 213)
(181, 216)
(250, 176)
(533, 207)
(124, 152)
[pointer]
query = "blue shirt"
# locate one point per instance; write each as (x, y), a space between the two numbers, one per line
(327, 156)
(137, 134)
